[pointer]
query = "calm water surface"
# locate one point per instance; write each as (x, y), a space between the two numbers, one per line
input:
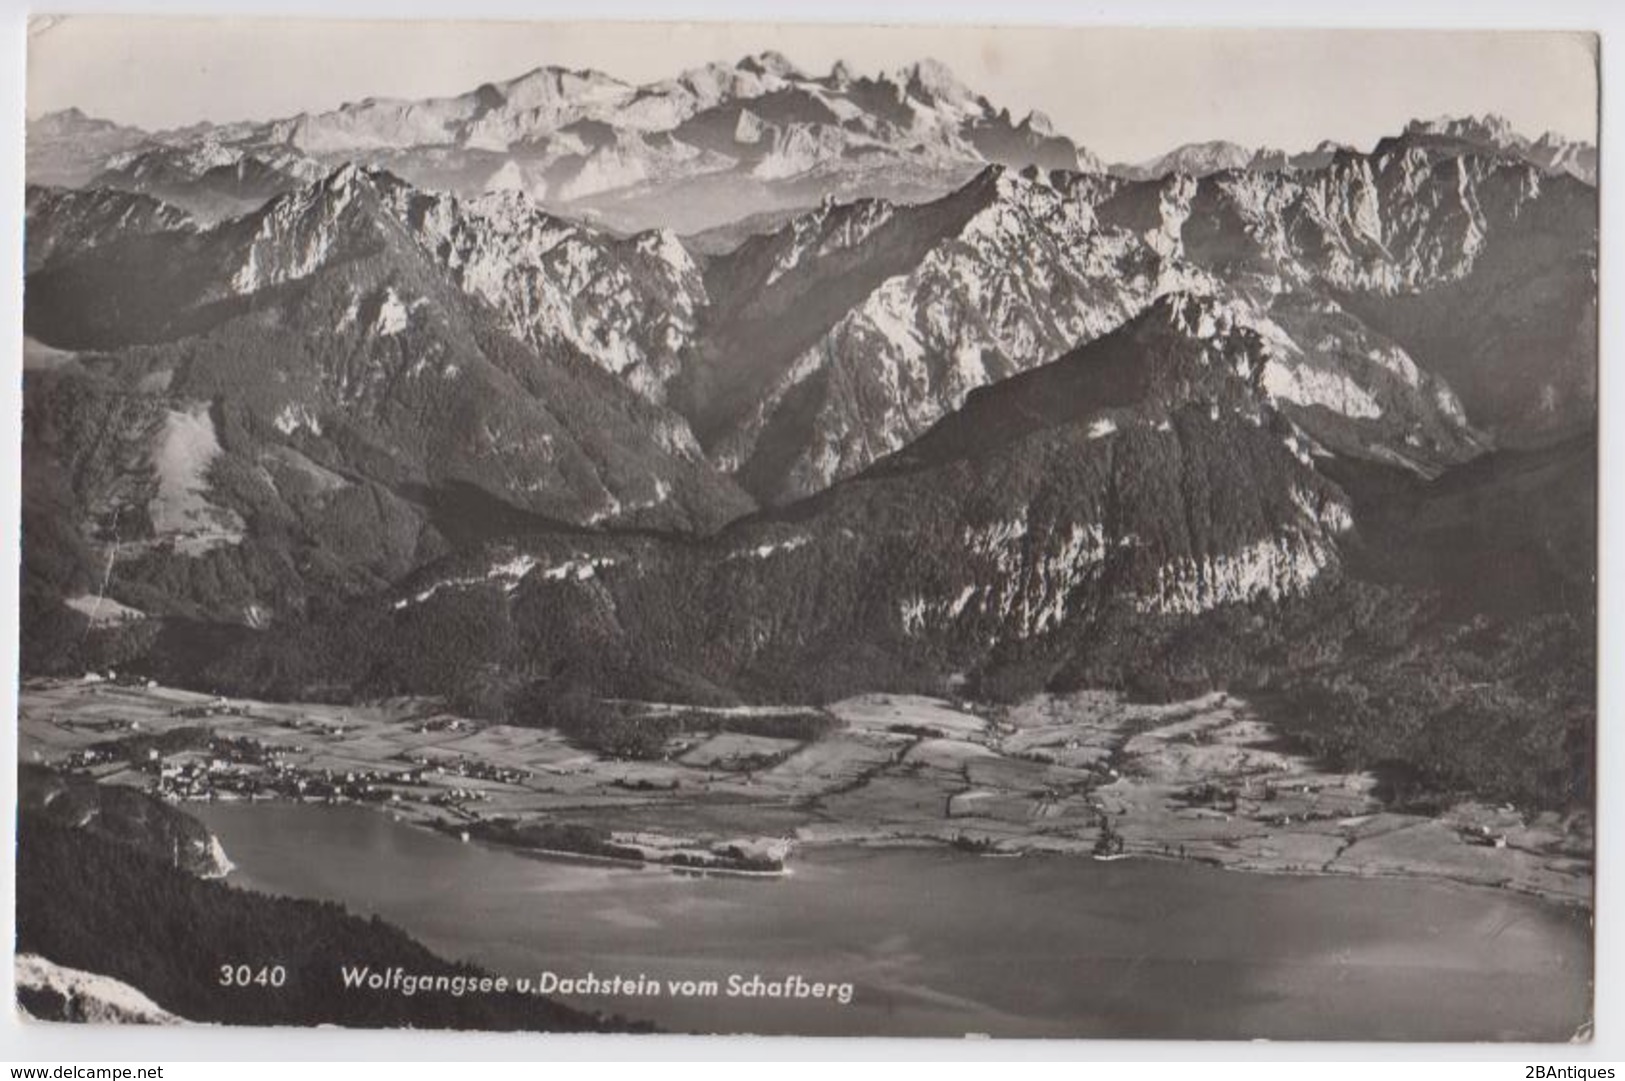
(942, 943)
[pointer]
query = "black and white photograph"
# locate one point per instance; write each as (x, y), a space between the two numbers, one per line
(809, 529)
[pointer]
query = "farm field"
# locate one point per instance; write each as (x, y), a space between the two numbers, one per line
(1088, 774)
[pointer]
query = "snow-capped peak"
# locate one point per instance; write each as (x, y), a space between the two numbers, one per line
(934, 83)
(1193, 159)
(297, 232)
(1039, 122)
(1493, 134)
(1489, 129)
(548, 84)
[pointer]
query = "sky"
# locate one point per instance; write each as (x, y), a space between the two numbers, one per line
(1126, 94)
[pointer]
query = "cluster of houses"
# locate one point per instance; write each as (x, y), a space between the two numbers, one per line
(217, 755)
(473, 769)
(241, 768)
(88, 758)
(203, 766)
(192, 776)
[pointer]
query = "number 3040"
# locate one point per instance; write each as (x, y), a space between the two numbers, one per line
(249, 976)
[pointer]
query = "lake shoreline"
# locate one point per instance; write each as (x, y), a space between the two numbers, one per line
(1566, 901)
(1206, 781)
(448, 827)
(985, 945)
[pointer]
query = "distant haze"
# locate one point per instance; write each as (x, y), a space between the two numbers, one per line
(1126, 94)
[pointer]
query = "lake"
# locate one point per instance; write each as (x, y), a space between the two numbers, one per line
(942, 943)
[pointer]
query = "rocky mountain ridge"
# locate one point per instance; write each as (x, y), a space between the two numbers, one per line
(909, 416)
(1004, 526)
(276, 409)
(397, 334)
(1483, 136)
(1014, 269)
(687, 152)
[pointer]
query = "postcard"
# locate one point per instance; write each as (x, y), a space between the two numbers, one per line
(809, 529)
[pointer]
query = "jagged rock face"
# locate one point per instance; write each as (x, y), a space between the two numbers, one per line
(641, 307)
(73, 222)
(1444, 137)
(1085, 392)
(1472, 264)
(631, 305)
(1556, 154)
(809, 352)
(1356, 391)
(705, 147)
(1031, 142)
(800, 358)
(1204, 159)
(296, 236)
(1016, 273)
(1347, 269)
(1159, 417)
(1146, 474)
(1491, 134)
(1013, 270)
(1394, 222)
(275, 401)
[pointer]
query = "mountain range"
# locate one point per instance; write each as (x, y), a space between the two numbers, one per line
(705, 148)
(687, 152)
(755, 384)
(1488, 135)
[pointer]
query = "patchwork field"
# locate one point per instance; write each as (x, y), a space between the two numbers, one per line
(1090, 774)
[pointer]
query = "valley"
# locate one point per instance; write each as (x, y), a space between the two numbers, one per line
(811, 519)
(1087, 774)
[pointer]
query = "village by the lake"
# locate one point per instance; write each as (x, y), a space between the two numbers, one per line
(1090, 775)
